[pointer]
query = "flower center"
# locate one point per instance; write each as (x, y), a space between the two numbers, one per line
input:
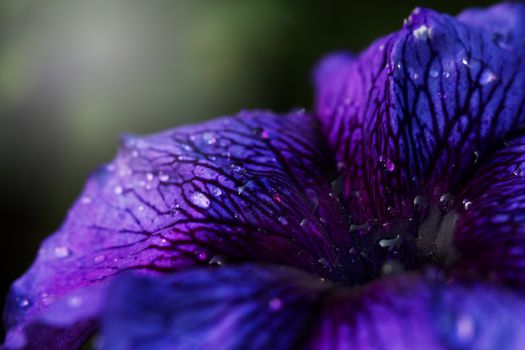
(407, 244)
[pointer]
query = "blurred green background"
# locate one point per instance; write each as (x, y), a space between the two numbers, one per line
(74, 74)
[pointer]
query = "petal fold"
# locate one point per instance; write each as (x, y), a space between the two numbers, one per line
(490, 236)
(244, 307)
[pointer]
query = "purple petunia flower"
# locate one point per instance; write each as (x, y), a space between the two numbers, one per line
(392, 217)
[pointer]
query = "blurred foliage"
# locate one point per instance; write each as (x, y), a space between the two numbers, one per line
(74, 74)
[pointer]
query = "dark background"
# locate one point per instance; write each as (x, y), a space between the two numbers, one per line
(74, 74)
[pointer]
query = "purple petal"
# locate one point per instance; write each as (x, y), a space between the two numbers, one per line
(255, 307)
(490, 235)
(411, 312)
(250, 187)
(412, 115)
(246, 307)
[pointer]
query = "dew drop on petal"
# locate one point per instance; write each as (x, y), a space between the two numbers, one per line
(446, 200)
(275, 304)
(23, 302)
(422, 32)
(85, 200)
(209, 138)
(283, 220)
(465, 328)
(388, 164)
(487, 76)
(199, 199)
(420, 201)
(519, 171)
(201, 255)
(216, 260)
(118, 190)
(99, 258)
(75, 301)
(467, 204)
(61, 251)
(164, 177)
(433, 73)
(324, 262)
(216, 191)
(150, 176)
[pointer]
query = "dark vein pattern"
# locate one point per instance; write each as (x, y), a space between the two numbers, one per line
(265, 307)
(252, 187)
(428, 131)
(420, 109)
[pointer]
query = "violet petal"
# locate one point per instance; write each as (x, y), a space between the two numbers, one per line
(490, 235)
(244, 307)
(413, 114)
(255, 186)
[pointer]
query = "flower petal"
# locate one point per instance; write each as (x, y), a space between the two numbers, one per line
(490, 235)
(262, 307)
(414, 113)
(251, 187)
(410, 312)
(246, 307)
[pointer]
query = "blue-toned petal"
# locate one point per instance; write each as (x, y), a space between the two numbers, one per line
(490, 235)
(421, 108)
(245, 307)
(255, 186)
(411, 312)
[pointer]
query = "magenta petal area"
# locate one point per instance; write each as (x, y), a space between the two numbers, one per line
(252, 187)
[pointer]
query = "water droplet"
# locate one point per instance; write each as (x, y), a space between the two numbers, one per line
(519, 171)
(465, 328)
(464, 61)
(390, 243)
(446, 75)
(201, 255)
(487, 77)
(446, 200)
(23, 302)
(247, 186)
(476, 156)
(150, 176)
(61, 251)
(216, 260)
(303, 222)
(388, 164)
(275, 304)
(164, 177)
(200, 200)
(466, 204)
(209, 138)
(118, 190)
(99, 258)
(324, 262)
(420, 201)
(433, 73)
(283, 220)
(85, 200)
(216, 191)
(422, 32)
(75, 301)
